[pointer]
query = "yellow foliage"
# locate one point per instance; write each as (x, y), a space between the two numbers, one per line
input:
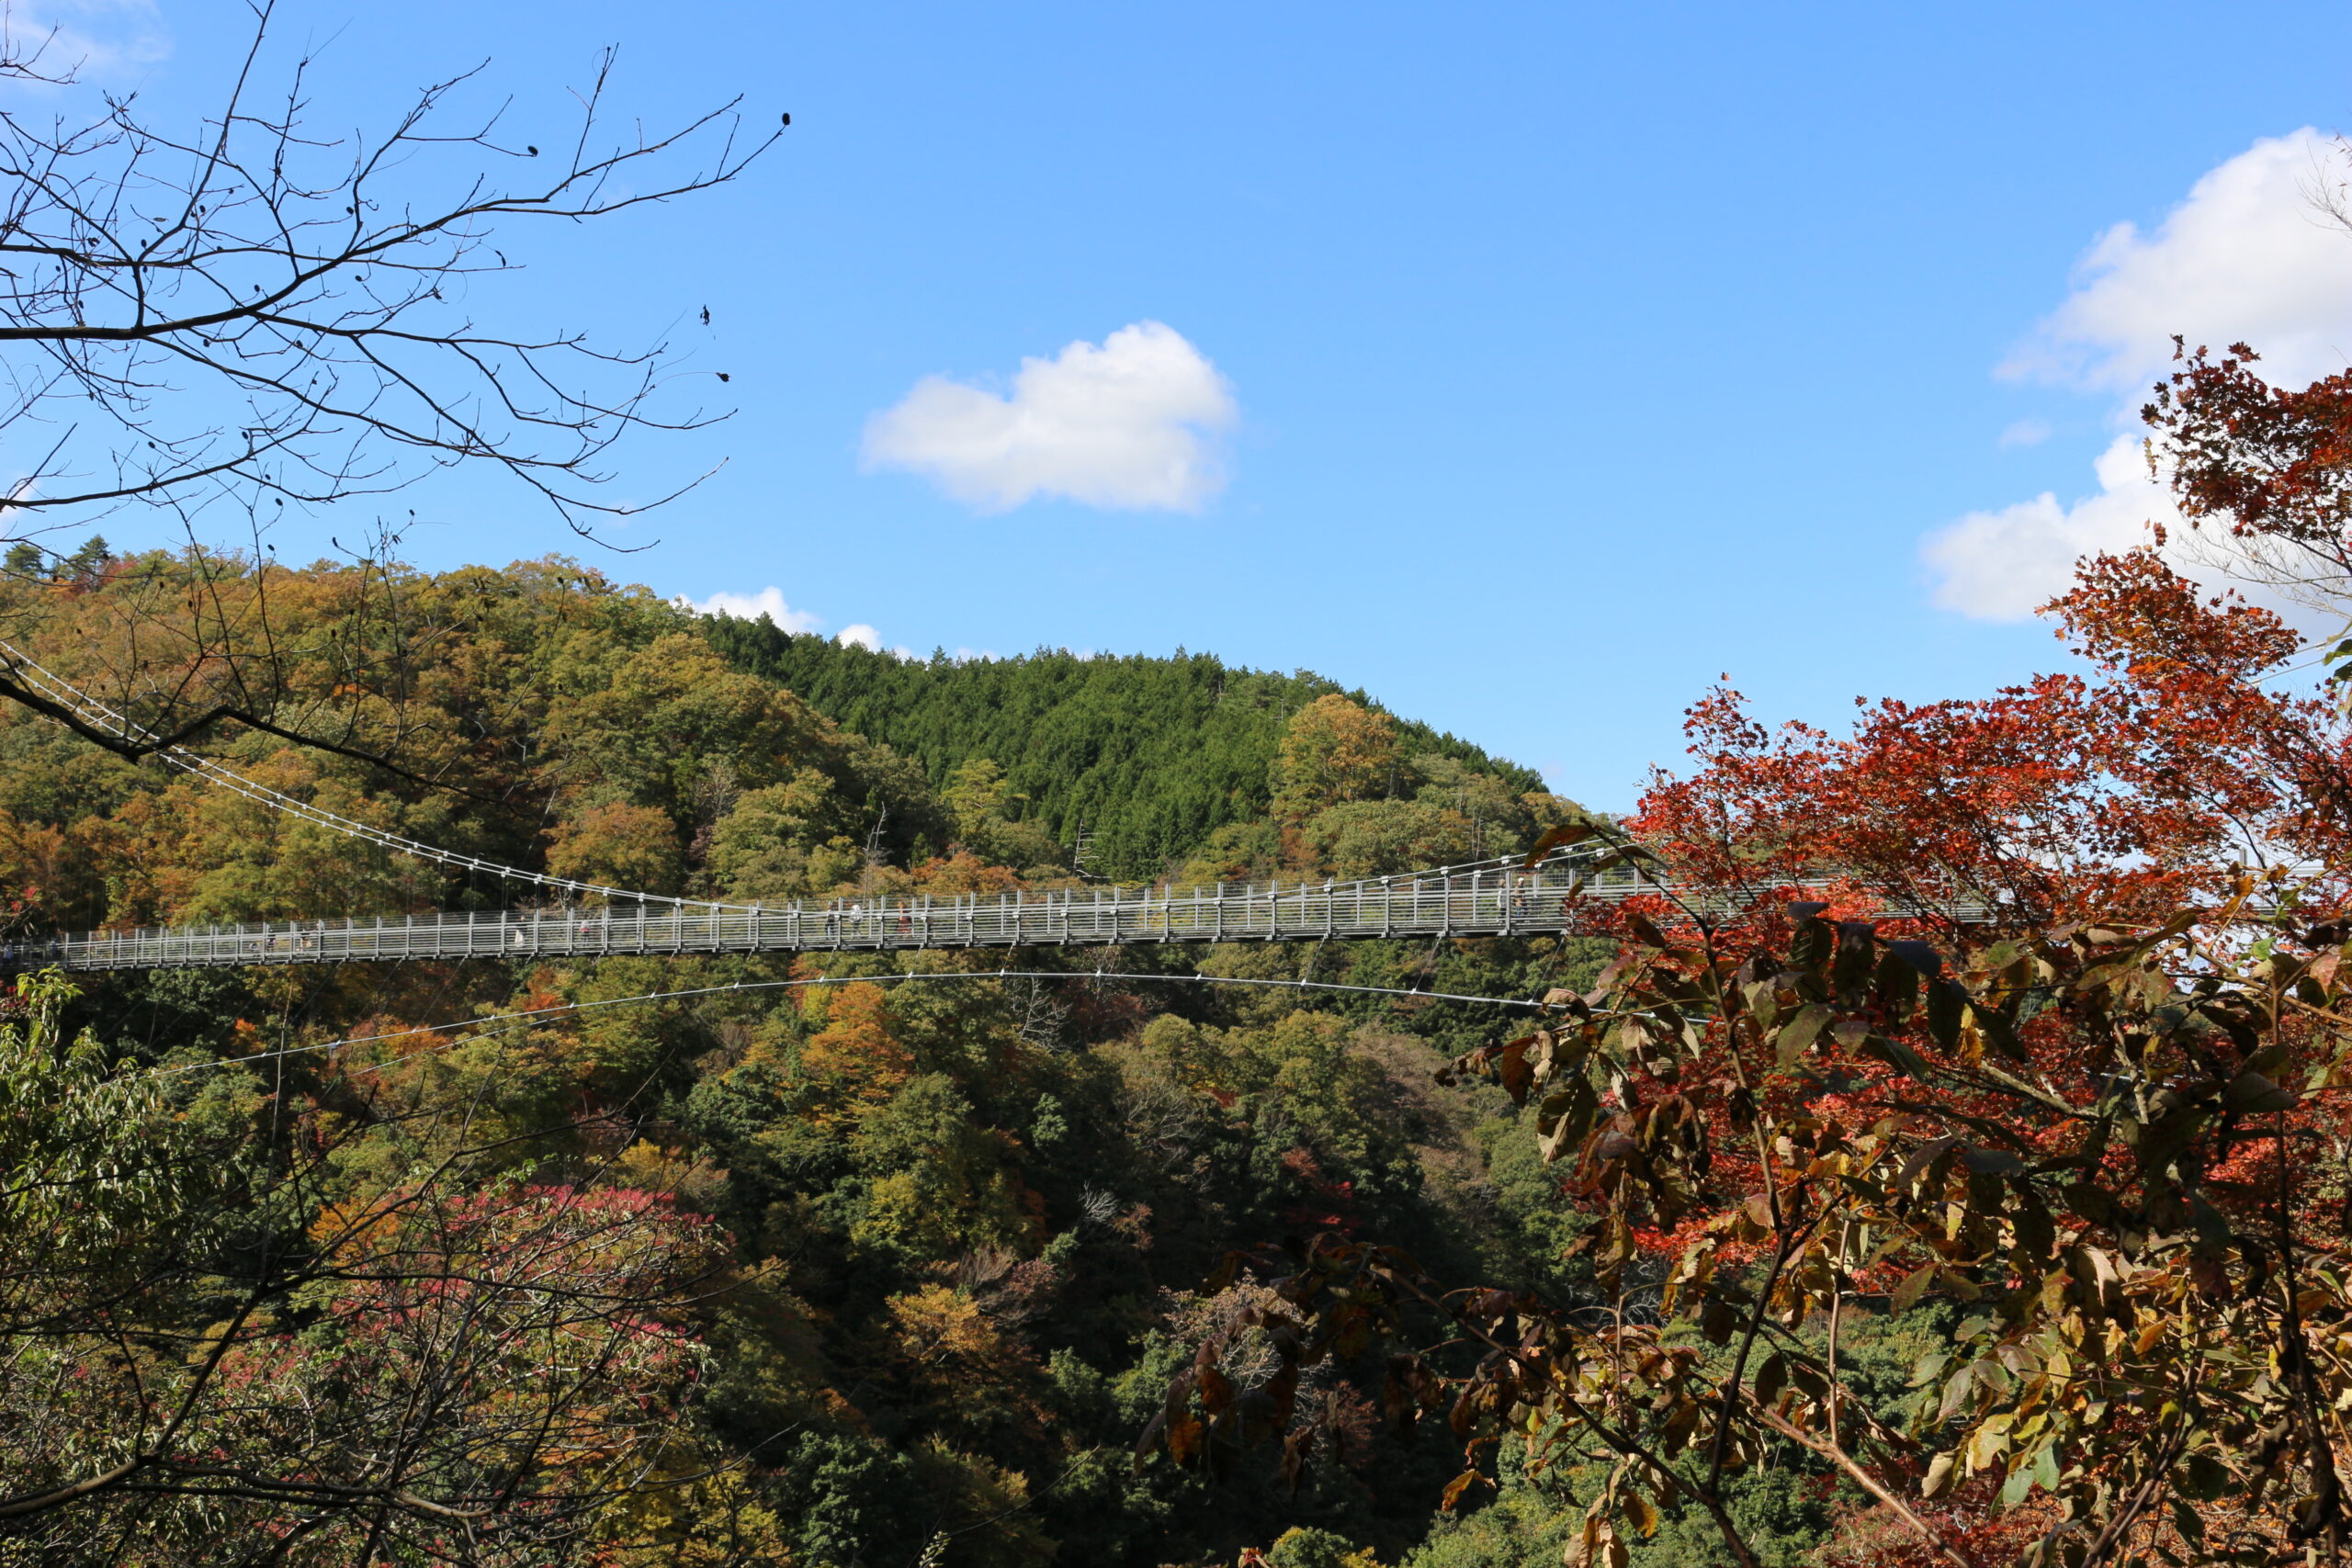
(1333, 750)
(856, 1062)
(938, 1324)
(649, 1167)
(714, 1520)
(619, 845)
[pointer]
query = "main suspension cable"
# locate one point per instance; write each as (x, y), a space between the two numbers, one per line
(57, 689)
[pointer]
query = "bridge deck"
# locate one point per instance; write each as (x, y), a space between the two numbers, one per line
(1488, 901)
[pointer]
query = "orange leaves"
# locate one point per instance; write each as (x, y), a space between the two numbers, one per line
(2110, 796)
(960, 873)
(2054, 1120)
(2052, 1054)
(618, 845)
(2134, 614)
(856, 1061)
(2263, 459)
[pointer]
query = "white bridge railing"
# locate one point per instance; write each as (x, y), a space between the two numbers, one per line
(1489, 899)
(1492, 898)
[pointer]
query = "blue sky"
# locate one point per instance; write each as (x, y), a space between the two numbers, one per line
(1528, 366)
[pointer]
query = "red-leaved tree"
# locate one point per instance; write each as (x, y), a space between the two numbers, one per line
(2028, 1004)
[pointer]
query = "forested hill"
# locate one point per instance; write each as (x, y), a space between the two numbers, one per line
(761, 1260)
(1150, 755)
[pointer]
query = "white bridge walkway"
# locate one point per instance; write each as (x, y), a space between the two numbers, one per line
(1496, 898)
(1493, 898)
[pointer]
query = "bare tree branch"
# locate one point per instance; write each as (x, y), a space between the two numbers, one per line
(265, 313)
(249, 315)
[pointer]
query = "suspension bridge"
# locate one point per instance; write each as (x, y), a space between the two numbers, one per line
(1492, 897)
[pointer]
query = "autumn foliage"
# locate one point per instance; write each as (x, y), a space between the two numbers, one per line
(1957, 1153)
(2029, 1011)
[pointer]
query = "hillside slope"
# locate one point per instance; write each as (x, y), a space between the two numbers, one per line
(1150, 755)
(971, 1221)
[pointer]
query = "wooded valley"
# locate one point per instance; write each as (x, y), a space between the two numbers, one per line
(1941, 1154)
(923, 1256)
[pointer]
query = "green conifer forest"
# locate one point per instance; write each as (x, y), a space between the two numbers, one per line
(1148, 756)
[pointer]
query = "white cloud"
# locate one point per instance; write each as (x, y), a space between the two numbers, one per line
(2246, 255)
(865, 637)
(1131, 424)
(768, 602)
(89, 39)
(2026, 432)
(2002, 566)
